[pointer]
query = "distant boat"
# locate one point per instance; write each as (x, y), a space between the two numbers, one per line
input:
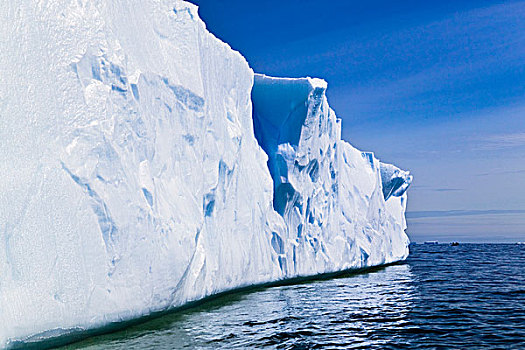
(431, 242)
(454, 244)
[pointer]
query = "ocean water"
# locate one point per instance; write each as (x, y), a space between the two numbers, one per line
(470, 296)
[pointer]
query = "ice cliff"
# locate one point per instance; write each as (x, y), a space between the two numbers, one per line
(144, 165)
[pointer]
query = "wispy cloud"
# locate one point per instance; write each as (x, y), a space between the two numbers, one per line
(422, 72)
(436, 189)
(497, 142)
(448, 213)
(502, 172)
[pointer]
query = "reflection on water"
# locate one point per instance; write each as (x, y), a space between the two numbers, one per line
(470, 296)
(337, 313)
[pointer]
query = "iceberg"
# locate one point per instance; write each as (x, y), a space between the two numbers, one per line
(144, 166)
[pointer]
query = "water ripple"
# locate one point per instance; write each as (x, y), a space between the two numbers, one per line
(470, 296)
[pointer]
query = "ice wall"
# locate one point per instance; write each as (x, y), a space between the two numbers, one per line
(131, 180)
(329, 194)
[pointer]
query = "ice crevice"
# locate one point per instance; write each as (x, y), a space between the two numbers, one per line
(107, 226)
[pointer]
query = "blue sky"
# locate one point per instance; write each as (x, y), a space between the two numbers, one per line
(435, 87)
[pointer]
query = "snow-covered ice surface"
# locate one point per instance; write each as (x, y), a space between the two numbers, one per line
(132, 181)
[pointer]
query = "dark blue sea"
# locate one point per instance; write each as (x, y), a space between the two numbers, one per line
(470, 296)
